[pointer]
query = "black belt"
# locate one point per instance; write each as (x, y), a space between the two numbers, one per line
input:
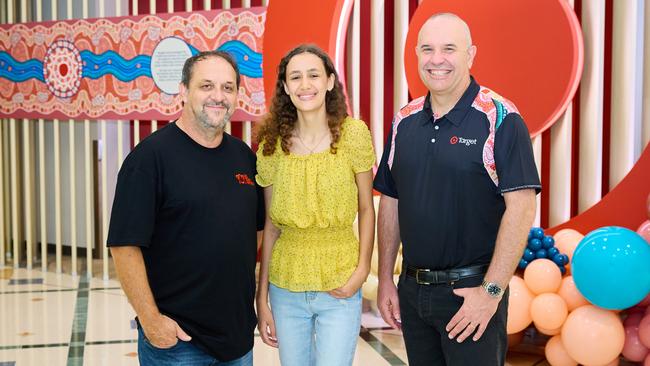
(425, 276)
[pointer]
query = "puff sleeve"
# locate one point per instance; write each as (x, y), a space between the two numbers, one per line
(359, 145)
(266, 166)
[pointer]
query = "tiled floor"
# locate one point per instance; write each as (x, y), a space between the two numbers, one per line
(50, 319)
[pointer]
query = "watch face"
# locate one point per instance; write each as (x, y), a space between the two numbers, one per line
(493, 289)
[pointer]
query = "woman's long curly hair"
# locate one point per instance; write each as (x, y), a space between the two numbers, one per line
(281, 120)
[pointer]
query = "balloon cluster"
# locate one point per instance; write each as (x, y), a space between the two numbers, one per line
(542, 246)
(609, 272)
(637, 332)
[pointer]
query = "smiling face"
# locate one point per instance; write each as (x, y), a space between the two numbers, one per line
(445, 54)
(211, 95)
(307, 82)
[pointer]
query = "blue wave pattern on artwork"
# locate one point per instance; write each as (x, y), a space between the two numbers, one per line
(248, 61)
(110, 62)
(20, 71)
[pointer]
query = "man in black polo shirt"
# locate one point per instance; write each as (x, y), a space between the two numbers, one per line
(458, 183)
(184, 226)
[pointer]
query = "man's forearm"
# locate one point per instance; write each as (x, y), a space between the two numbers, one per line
(388, 236)
(132, 273)
(511, 238)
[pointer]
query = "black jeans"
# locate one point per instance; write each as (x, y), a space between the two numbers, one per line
(426, 310)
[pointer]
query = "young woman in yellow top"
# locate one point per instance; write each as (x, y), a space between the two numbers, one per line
(315, 164)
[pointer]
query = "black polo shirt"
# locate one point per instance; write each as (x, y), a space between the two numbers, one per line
(450, 175)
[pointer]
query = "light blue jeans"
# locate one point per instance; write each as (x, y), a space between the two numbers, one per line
(314, 328)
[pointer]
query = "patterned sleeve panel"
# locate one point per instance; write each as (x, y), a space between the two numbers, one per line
(359, 145)
(266, 167)
(514, 158)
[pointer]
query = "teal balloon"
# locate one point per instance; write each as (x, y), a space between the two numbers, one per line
(611, 267)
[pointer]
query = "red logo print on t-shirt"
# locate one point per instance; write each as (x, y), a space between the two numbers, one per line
(244, 179)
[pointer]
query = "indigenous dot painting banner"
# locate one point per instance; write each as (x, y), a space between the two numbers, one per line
(123, 67)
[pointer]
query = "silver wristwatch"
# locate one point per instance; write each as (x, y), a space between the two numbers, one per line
(492, 289)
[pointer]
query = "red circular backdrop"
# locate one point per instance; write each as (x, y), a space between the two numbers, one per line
(531, 52)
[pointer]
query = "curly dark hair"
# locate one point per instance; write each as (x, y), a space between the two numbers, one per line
(281, 119)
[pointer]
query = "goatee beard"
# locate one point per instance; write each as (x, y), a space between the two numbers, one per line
(205, 121)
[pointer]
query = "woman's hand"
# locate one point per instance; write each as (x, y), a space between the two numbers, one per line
(266, 325)
(353, 284)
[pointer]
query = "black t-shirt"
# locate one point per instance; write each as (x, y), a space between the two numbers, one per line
(195, 212)
(450, 175)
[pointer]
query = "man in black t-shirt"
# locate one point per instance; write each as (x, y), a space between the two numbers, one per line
(184, 225)
(458, 183)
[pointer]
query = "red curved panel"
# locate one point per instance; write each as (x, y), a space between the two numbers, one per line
(625, 205)
(531, 52)
(291, 22)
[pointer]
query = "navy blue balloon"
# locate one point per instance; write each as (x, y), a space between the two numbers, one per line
(563, 270)
(558, 259)
(538, 233)
(548, 242)
(523, 263)
(552, 252)
(534, 244)
(541, 254)
(565, 259)
(611, 267)
(529, 255)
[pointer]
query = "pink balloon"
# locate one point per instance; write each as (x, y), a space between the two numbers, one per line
(647, 361)
(593, 336)
(644, 331)
(633, 319)
(555, 353)
(636, 309)
(633, 349)
(645, 302)
(644, 230)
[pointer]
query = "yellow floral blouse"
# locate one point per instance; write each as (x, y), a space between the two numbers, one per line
(314, 205)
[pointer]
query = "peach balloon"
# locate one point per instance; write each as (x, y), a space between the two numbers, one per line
(567, 242)
(555, 353)
(614, 362)
(549, 311)
(542, 275)
(633, 349)
(518, 305)
(563, 232)
(570, 294)
(593, 336)
(548, 332)
(644, 330)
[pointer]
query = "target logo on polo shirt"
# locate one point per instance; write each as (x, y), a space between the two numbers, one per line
(462, 140)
